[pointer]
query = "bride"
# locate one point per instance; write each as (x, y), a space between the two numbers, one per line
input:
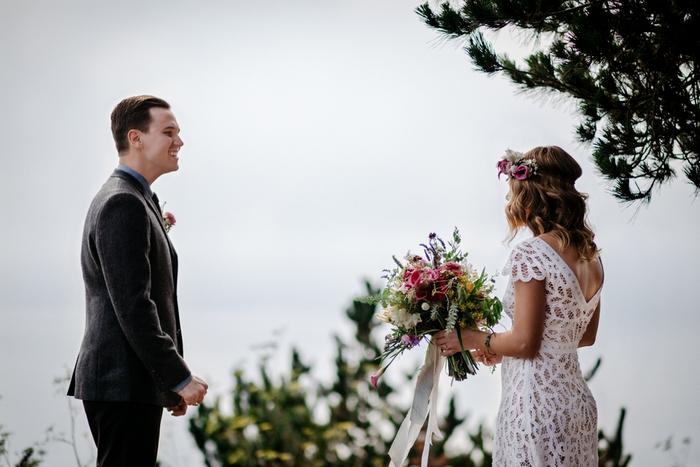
(547, 416)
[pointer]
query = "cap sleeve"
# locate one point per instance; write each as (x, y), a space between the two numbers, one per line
(524, 264)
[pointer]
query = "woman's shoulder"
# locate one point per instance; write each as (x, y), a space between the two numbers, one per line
(531, 244)
(526, 261)
(535, 248)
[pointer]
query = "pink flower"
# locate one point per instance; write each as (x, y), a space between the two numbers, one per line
(439, 291)
(413, 278)
(429, 284)
(432, 274)
(521, 172)
(454, 268)
(435, 287)
(168, 220)
(421, 283)
(503, 166)
(422, 293)
(374, 379)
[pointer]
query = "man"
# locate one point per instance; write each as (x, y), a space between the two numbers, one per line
(130, 363)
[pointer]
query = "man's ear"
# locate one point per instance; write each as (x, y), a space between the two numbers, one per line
(134, 138)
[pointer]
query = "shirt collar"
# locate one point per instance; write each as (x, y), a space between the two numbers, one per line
(137, 176)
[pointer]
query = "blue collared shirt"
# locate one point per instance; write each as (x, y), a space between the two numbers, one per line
(147, 187)
(137, 176)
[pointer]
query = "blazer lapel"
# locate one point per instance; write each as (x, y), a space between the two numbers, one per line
(151, 203)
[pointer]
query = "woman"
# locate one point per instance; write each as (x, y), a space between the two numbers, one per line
(547, 417)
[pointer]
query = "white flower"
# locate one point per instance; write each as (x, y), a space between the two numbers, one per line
(424, 306)
(513, 156)
(404, 319)
(384, 317)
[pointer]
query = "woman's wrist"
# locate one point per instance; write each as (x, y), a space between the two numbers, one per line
(473, 338)
(488, 342)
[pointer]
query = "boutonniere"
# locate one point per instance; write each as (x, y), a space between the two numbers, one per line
(168, 219)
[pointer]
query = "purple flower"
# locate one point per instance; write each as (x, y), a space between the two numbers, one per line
(409, 340)
(521, 172)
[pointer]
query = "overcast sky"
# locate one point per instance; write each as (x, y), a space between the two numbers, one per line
(321, 137)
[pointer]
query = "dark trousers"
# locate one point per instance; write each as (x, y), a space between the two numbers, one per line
(126, 433)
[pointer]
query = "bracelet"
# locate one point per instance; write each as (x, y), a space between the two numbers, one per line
(487, 343)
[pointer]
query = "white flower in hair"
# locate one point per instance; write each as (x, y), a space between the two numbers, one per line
(513, 156)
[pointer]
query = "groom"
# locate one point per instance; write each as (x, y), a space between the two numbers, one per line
(130, 363)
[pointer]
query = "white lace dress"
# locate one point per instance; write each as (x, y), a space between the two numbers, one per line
(548, 417)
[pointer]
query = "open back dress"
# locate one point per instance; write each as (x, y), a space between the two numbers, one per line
(547, 417)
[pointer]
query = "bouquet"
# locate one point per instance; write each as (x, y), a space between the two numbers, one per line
(432, 293)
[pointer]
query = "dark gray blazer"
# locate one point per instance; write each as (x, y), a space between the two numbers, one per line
(132, 347)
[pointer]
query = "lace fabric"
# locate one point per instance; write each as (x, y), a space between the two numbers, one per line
(547, 417)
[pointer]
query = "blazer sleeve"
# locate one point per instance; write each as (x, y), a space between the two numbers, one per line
(123, 243)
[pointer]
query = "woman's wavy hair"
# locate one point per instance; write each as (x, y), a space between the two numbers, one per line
(549, 202)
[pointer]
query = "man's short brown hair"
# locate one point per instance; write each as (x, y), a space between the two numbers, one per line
(133, 113)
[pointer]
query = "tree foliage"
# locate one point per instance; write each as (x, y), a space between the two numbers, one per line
(30, 457)
(629, 64)
(610, 449)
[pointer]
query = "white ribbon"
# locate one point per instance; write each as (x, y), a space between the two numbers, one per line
(424, 405)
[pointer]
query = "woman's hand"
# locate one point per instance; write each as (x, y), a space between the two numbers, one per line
(486, 358)
(449, 343)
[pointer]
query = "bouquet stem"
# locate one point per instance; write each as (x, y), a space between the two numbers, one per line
(461, 365)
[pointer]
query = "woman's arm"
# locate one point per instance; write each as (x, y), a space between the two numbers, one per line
(592, 329)
(523, 340)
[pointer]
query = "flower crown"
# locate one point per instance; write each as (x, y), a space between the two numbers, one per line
(515, 165)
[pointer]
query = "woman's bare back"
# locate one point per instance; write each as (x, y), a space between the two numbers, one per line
(588, 273)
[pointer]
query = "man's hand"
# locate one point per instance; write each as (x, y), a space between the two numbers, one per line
(178, 410)
(193, 393)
